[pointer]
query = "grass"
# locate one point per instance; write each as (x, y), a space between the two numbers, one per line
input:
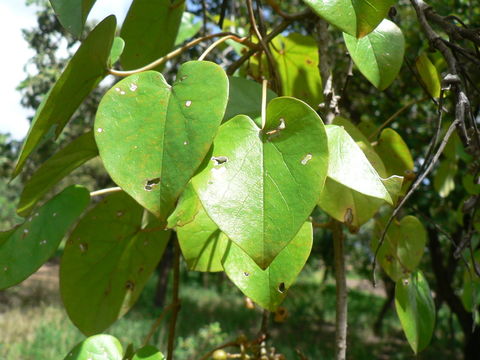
(34, 326)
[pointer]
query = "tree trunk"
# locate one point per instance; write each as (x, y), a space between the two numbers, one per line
(163, 269)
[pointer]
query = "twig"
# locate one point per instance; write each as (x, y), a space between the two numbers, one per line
(156, 324)
(414, 187)
(173, 54)
(276, 7)
(395, 115)
(175, 299)
(218, 42)
(341, 292)
(264, 45)
(105, 191)
(270, 36)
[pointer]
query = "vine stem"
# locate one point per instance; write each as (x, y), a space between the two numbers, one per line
(105, 191)
(175, 53)
(218, 42)
(341, 292)
(175, 299)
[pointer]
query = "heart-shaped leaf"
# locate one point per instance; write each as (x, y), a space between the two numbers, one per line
(202, 243)
(152, 136)
(148, 353)
(83, 73)
(402, 248)
(261, 185)
(149, 31)
(269, 287)
(98, 347)
(416, 310)
(72, 14)
(27, 247)
(355, 17)
(54, 169)
(379, 55)
(107, 261)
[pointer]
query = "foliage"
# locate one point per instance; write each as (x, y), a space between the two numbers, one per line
(236, 176)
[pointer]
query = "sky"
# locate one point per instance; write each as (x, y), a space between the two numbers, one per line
(15, 16)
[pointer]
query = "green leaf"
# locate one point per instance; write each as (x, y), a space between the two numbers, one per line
(402, 248)
(354, 17)
(107, 260)
(350, 167)
(416, 310)
(444, 179)
(245, 98)
(72, 14)
(98, 347)
(149, 31)
(363, 143)
(152, 136)
(395, 153)
(27, 247)
(269, 287)
(202, 243)
(188, 28)
(54, 169)
(82, 74)
(429, 75)
(379, 55)
(261, 185)
(352, 207)
(296, 57)
(148, 353)
(116, 51)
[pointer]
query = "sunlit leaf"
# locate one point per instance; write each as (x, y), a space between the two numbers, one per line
(27, 247)
(98, 347)
(296, 57)
(269, 287)
(117, 49)
(149, 31)
(82, 74)
(416, 310)
(394, 152)
(379, 55)
(260, 186)
(107, 260)
(355, 17)
(188, 28)
(444, 179)
(429, 75)
(152, 136)
(54, 169)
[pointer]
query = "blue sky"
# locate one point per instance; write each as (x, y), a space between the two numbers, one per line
(15, 16)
